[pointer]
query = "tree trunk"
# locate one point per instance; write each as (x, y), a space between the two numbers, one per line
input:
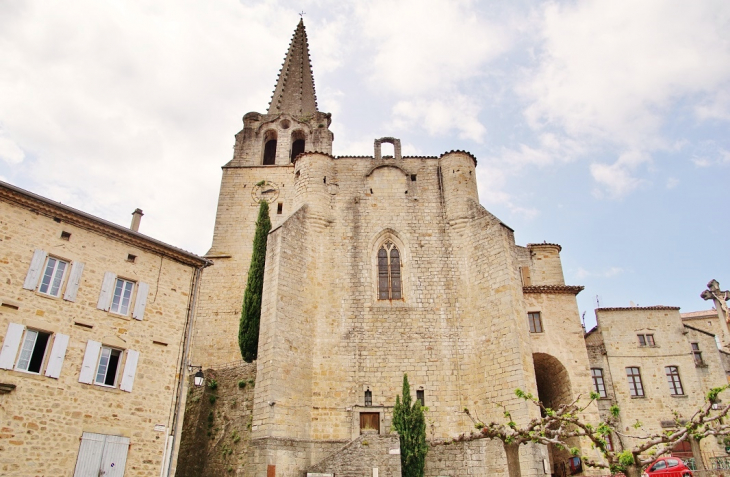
(697, 452)
(513, 459)
(633, 471)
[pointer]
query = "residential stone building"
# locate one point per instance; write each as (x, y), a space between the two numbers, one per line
(379, 266)
(94, 326)
(652, 363)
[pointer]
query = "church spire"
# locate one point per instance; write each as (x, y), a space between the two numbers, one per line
(294, 92)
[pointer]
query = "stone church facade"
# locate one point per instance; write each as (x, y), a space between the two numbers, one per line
(375, 267)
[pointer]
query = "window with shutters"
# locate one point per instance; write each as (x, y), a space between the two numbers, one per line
(31, 350)
(109, 366)
(52, 279)
(122, 296)
(389, 272)
(48, 275)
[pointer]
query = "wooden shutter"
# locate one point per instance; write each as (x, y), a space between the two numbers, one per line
(107, 290)
(34, 272)
(11, 345)
(114, 458)
(74, 279)
(130, 368)
(88, 367)
(526, 278)
(141, 301)
(90, 452)
(58, 353)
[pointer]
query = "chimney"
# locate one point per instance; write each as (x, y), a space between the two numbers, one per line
(136, 219)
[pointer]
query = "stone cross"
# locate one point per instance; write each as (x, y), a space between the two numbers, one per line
(720, 298)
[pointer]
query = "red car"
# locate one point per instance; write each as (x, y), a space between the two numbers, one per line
(668, 467)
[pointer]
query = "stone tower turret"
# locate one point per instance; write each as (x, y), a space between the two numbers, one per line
(293, 124)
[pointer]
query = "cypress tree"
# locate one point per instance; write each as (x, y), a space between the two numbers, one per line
(248, 330)
(410, 424)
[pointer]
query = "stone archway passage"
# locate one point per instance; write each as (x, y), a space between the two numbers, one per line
(553, 389)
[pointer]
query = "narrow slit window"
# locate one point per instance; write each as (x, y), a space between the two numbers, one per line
(421, 396)
(389, 273)
(697, 354)
(598, 384)
(535, 321)
(279, 208)
(368, 398)
(65, 235)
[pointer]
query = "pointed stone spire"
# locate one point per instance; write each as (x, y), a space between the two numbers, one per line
(294, 92)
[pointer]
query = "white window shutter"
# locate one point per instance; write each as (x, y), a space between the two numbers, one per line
(74, 279)
(143, 290)
(11, 345)
(107, 290)
(34, 272)
(130, 368)
(58, 353)
(88, 368)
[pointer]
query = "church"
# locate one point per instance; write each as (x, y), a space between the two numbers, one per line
(378, 266)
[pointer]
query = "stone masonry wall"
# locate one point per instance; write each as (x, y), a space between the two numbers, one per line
(359, 457)
(217, 428)
(45, 416)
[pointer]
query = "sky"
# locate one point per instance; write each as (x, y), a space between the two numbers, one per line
(599, 125)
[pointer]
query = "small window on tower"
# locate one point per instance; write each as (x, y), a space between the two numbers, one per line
(421, 397)
(65, 235)
(413, 178)
(270, 148)
(368, 398)
(279, 208)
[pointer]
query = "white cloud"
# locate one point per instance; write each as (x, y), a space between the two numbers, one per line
(617, 179)
(10, 152)
(441, 116)
(672, 182)
(609, 70)
(491, 182)
(428, 45)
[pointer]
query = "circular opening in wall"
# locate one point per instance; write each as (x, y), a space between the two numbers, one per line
(285, 124)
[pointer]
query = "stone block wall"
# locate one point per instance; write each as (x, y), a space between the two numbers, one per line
(359, 457)
(217, 428)
(46, 416)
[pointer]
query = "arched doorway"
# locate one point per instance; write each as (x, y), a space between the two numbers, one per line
(553, 389)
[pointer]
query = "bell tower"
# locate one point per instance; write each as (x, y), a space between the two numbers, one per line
(293, 124)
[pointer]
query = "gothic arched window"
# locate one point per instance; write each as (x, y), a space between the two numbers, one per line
(389, 283)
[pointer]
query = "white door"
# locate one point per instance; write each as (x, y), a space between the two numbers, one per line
(101, 455)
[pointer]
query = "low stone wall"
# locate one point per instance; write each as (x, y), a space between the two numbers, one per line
(361, 456)
(217, 425)
(482, 457)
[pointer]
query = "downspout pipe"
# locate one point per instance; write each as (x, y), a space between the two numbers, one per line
(195, 287)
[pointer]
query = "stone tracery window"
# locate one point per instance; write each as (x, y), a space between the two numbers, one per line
(389, 276)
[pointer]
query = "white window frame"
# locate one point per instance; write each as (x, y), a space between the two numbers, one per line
(99, 360)
(22, 349)
(118, 306)
(52, 265)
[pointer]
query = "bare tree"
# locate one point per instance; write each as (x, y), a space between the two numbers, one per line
(558, 426)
